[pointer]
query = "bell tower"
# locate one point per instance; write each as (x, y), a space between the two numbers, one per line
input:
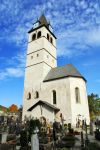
(40, 59)
(41, 51)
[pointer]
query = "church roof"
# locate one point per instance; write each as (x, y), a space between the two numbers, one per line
(43, 20)
(62, 72)
(40, 102)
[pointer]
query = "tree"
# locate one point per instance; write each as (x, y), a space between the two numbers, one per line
(13, 108)
(20, 108)
(94, 105)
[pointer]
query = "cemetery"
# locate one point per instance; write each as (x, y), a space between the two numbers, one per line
(35, 134)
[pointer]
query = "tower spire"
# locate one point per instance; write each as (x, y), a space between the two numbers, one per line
(43, 20)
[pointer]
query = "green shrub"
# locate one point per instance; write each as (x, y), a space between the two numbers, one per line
(23, 138)
(71, 131)
(69, 138)
(69, 125)
(65, 125)
(33, 124)
(92, 146)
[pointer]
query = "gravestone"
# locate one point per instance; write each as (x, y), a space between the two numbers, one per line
(34, 142)
(0, 137)
(91, 128)
(3, 137)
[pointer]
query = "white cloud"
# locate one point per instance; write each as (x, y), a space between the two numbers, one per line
(49, 4)
(15, 66)
(74, 42)
(83, 4)
(11, 72)
(64, 52)
(89, 64)
(14, 72)
(93, 36)
(74, 22)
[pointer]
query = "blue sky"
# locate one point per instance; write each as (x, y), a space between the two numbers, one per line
(76, 24)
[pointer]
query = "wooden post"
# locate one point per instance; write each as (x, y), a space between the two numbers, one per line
(82, 139)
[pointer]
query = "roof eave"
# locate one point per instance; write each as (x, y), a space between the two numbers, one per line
(43, 103)
(40, 27)
(64, 77)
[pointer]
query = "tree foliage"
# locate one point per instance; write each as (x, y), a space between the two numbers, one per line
(20, 109)
(94, 105)
(13, 108)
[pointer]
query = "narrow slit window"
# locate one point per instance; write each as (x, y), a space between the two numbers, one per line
(36, 94)
(77, 95)
(37, 55)
(29, 96)
(48, 36)
(54, 97)
(51, 40)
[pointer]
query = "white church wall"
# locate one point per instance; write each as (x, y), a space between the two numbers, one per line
(63, 96)
(36, 113)
(35, 58)
(35, 45)
(49, 59)
(82, 107)
(49, 47)
(41, 56)
(46, 68)
(33, 75)
(26, 106)
(48, 113)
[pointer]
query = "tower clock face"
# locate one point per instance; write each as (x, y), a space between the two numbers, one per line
(36, 25)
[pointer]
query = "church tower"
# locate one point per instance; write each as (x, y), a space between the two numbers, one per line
(41, 56)
(41, 52)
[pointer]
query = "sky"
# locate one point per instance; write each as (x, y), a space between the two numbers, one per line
(76, 24)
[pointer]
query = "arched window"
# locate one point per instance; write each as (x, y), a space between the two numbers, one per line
(39, 34)
(47, 36)
(54, 97)
(77, 95)
(33, 37)
(36, 94)
(29, 96)
(51, 40)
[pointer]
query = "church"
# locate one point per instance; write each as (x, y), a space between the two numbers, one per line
(56, 93)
